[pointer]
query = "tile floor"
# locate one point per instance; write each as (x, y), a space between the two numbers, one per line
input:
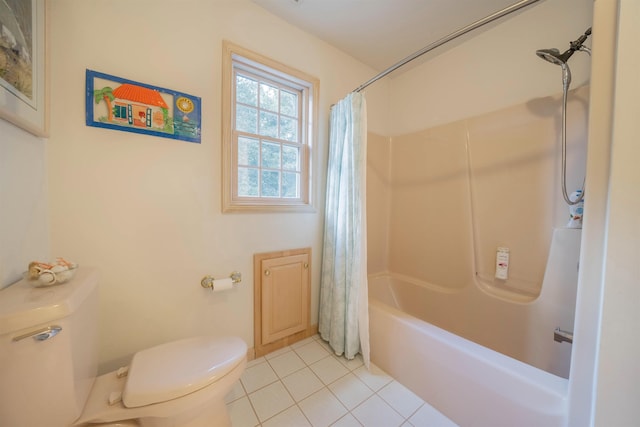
(306, 385)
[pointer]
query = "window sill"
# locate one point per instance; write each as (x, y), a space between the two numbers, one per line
(256, 208)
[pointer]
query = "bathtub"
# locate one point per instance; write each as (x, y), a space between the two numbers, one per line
(481, 358)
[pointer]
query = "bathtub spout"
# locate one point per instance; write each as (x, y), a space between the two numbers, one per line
(559, 336)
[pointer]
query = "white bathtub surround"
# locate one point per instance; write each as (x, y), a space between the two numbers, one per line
(343, 317)
(455, 370)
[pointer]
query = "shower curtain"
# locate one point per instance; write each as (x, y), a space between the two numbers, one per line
(344, 315)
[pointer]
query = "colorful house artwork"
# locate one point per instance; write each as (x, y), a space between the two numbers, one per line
(116, 103)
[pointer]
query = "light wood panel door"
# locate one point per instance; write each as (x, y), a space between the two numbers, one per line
(282, 294)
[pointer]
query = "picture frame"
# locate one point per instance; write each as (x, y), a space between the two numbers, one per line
(24, 68)
(126, 105)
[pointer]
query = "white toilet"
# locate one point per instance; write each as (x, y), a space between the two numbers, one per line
(48, 367)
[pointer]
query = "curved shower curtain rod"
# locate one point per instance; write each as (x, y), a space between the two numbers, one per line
(479, 23)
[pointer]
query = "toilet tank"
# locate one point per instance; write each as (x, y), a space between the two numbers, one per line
(45, 380)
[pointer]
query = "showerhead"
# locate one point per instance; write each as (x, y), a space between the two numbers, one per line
(554, 56)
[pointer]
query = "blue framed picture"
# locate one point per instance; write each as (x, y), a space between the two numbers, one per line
(120, 104)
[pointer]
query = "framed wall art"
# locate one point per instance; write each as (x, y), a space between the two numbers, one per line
(120, 104)
(23, 64)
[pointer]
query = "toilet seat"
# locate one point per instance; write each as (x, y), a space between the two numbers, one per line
(210, 397)
(172, 370)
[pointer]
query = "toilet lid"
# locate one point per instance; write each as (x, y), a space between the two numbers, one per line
(175, 369)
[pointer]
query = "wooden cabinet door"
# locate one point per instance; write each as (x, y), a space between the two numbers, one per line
(283, 290)
(285, 284)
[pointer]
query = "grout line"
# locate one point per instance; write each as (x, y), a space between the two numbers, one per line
(415, 412)
(287, 390)
(337, 358)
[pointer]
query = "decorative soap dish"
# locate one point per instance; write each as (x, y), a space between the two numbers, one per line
(43, 274)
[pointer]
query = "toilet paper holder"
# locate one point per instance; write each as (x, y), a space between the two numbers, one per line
(207, 281)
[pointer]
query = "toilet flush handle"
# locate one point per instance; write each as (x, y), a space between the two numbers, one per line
(41, 334)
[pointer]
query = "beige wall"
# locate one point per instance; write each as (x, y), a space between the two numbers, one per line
(146, 211)
(24, 231)
(494, 68)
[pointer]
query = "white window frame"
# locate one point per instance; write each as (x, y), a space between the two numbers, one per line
(238, 58)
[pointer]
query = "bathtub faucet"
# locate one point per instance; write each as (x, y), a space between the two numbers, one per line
(559, 336)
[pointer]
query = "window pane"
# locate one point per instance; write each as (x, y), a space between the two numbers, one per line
(289, 129)
(270, 155)
(270, 184)
(248, 152)
(268, 97)
(246, 90)
(289, 103)
(248, 182)
(290, 184)
(267, 135)
(268, 124)
(290, 158)
(246, 119)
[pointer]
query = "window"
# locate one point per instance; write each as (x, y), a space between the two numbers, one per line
(268, 128)
(120, 111)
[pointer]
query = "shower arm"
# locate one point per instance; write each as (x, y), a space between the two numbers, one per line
(584, 49)
(577, 44)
